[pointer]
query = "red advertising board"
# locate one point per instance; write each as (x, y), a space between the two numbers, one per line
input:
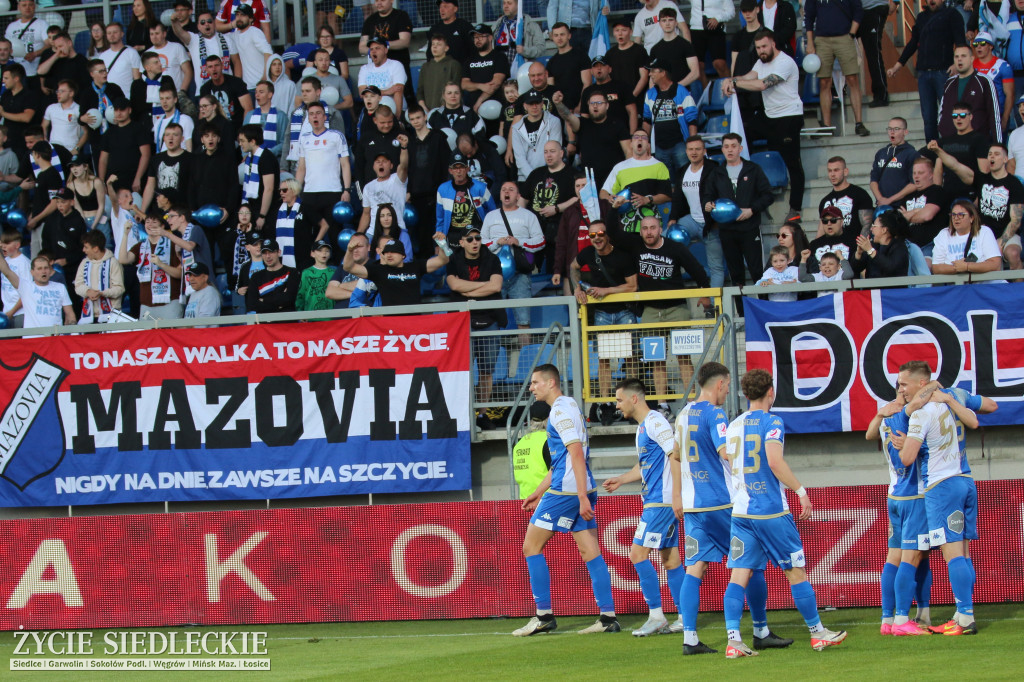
(449, 560)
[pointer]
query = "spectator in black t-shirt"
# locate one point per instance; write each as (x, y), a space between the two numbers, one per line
(62, 63)
(484, 70)
(925, 208)
(676, 50)
(169, 170)
(855, 203)
(229, 90)
(19, 106)
(628, 59)
(126, 148)
(474, 273)
(968, 146)
(831, 240)
(48, 183)
(744, 56)
(603, 142)
(397, 281)
(621, 105)
(548, 191)
(62, 235)
(273, 289)
(569, 66)
(428, 168)
(455, 28)
(214, 175)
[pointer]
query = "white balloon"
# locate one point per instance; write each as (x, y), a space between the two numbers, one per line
(52, 19)
(812, 63)
(110, 115)
(95, 113)
(490, 110)
(18, 48)
(330, 95)
(389, 102)
(500, 143)
(165, 17)
(524, 77)
(452, 137)
(308, 71)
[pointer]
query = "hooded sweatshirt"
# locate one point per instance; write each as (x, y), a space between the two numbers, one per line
(285, 90)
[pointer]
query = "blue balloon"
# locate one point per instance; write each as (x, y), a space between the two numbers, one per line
(508, 262)
(5, 322)
(627, 206)
(677, 235)
(725, 211)
(343, 213)
(343, 237)
(208, 216)
(16, 219)
(410, 216)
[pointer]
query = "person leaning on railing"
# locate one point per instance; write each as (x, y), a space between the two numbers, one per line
(967, 245)
(886, 253)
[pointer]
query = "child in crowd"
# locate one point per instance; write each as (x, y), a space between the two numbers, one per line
(249, 268)
(830, 269)
(508, 113)
(313, 287)
(780, 272)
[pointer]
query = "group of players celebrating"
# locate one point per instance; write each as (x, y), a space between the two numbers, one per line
(727, 483)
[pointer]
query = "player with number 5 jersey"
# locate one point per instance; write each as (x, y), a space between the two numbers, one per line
(762, 525)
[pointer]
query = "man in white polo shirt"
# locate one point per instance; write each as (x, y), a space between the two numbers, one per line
(322, 152)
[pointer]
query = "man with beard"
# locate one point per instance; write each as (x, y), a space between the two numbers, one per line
(548, 191)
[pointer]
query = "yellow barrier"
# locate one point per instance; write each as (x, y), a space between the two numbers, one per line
(642, 349)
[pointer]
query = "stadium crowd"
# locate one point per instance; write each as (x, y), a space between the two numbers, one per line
(181, 159)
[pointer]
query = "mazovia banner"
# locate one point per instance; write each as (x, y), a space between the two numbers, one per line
(247, 412)
(835, 359)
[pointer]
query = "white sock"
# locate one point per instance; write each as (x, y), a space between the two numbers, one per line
(544, 612)
(734, 636)
(690, 637)
(887, 621)
(609, 614)
(924, 614)
(900, 620)
(657, 614)
(815, 629)
(962, 619)
(761, 632)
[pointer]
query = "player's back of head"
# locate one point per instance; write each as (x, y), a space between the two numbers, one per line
(711, 371)
(755, 384)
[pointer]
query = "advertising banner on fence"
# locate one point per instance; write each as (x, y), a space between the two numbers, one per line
(247, 412)
(835, 359)
(423, 561)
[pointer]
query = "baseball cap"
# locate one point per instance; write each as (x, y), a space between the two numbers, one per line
(532, 97)
(321, 244)
(599, 59)
(657, 64)
(984, 37)
(622, 21)
(377, 40)
(269, 245)
(472, 228)
(370, 88)
(198, 269)
(539, 410)
(482, 29)
(253, 238)
(393, 246)
(245, 9)
(65, 194)
(79, 160)
(457, 159)
(831, 212)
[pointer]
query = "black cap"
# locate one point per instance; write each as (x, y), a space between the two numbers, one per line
(622, 21)
(253, 237)
(321, 244)
(370, 88)
(65, 194)
(198, 269)
(532, 97)
(80, 160)
(748, 5)
(599, 59)
(539, 410)
(472, 228)
(657, 64)
(245, 9)
(482, 29)
(393, 246)
(377, 40)
(458, 159)
(269, 245)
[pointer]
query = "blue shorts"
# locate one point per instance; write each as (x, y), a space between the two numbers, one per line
(754, 542)
(952, 507)
(658, 528)
(602, 318)
(908, 525)
(561, 513)
(707, 535)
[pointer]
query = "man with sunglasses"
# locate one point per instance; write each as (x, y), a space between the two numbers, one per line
(205, 43)
(968, 86)
(598, 270)
(831, 241)
(967, 145)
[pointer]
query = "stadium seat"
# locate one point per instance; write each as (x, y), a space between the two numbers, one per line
(415, 70)
(716, 100)
(774, 167)
(810, 93)
(82, 39)
(716, 126)
(524, 366)
(500, 372)
(543, 317)
(717, 158)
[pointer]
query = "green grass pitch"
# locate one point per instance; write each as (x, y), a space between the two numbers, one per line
(484, 650)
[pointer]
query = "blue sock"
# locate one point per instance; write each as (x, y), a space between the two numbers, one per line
(601, 581)
(924, 584)
(676, 576)
(905, 585)
(960, 575)
(888, 589)
(691, 602)
(974, 574)
(806, 604)
(540, 580)
(648, 583)
(732, 604)
(757, 599)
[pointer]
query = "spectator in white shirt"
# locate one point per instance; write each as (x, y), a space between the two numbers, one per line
(253, 48)
(60, 121)
(386, 74)
(123, 63)
(30, 30)
(173, 57)
(201, 45)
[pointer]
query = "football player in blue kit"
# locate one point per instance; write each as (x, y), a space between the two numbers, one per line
(657, 528)
(704, 504)
(564, 502)
(935, 438)
(762, 524)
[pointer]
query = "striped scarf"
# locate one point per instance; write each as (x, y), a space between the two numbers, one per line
(153, 95)
(285, 227)
(268, 122)
(103, 103)
(251, 187)
(224, 53)
(158, 279)
(159, 124)
(104, 303)
(54, 160)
